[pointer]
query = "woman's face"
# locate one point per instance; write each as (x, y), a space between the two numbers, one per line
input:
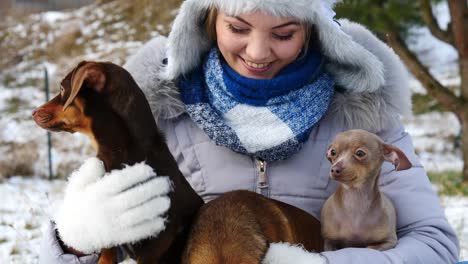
(257, 45)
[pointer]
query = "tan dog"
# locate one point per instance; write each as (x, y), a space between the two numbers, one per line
(358, 214)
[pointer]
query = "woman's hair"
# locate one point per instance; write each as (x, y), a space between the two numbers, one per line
(210, 23)
(210, 27)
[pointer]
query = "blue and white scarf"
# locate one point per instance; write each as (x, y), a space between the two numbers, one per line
(265, 119)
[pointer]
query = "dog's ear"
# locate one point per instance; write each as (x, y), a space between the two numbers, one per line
(92, 73)
(396, 156)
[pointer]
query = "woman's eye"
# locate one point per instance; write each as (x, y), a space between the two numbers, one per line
(235, 29)
(360, 153)
(283, 37)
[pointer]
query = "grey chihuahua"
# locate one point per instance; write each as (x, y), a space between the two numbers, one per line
(358, 214)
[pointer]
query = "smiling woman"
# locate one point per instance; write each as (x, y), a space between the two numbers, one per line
(257, 45)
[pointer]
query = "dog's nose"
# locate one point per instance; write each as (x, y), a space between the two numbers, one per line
(41, 116)
(336, 170)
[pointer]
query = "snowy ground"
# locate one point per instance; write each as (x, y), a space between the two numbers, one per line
(456, 210)
(27, 204)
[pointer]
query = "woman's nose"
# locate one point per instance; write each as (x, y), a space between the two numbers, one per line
(258, 49)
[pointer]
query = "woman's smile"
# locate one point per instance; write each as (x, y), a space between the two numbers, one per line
(257, 45)
(256, 67)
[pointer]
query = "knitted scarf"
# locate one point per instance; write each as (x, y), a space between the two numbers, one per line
(265, 119)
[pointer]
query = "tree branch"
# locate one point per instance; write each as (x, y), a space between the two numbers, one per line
(459, 15)
(431, 22)
(445, 97)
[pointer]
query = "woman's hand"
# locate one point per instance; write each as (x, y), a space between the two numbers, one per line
(102, 210)
(284, 253)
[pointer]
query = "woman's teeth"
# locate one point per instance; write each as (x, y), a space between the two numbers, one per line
(256, 65)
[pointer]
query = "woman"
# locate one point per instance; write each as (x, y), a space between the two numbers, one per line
(249, 97)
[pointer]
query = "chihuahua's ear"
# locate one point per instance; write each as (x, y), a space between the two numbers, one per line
(397, 157)
(92, 73)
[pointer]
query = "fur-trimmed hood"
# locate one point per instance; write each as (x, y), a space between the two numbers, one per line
(374, 81)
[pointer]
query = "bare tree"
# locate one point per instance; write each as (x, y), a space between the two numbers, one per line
(457, 36)
(393, 19)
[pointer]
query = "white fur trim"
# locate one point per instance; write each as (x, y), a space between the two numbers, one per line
(104, 210)
(146, 67)
(352, 66)
(328, 12)
(373, 110)
(285, 253)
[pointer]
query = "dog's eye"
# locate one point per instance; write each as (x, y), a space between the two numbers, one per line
(332, 152)
(360, 153)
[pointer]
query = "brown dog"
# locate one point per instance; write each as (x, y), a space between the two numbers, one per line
(358, 214)
(103, 101)
(239, 226)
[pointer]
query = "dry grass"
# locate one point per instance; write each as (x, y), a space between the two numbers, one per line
(149, 13)
(18, 159)
(449, 183)
(14, 105)
(65, 44)
(11, 42)
(142, 17)
(145, 16)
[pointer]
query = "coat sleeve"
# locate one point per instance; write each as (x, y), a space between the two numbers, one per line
(424, 234)
(52, 253)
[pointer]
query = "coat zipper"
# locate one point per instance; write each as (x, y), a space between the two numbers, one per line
(262, 181)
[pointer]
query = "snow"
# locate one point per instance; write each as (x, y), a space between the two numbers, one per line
(27, 203)
(456, 210)
(433, 135)
(54, 17)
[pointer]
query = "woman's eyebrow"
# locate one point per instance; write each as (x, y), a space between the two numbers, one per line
(242, 20)
(287, 24)
(275, 27)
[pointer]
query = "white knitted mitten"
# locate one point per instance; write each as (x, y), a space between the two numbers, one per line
(285, 253)
(102, 210)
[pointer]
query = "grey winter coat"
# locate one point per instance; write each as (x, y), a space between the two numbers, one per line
(424, 234)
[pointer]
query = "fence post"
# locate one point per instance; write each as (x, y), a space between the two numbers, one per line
(49, 136)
